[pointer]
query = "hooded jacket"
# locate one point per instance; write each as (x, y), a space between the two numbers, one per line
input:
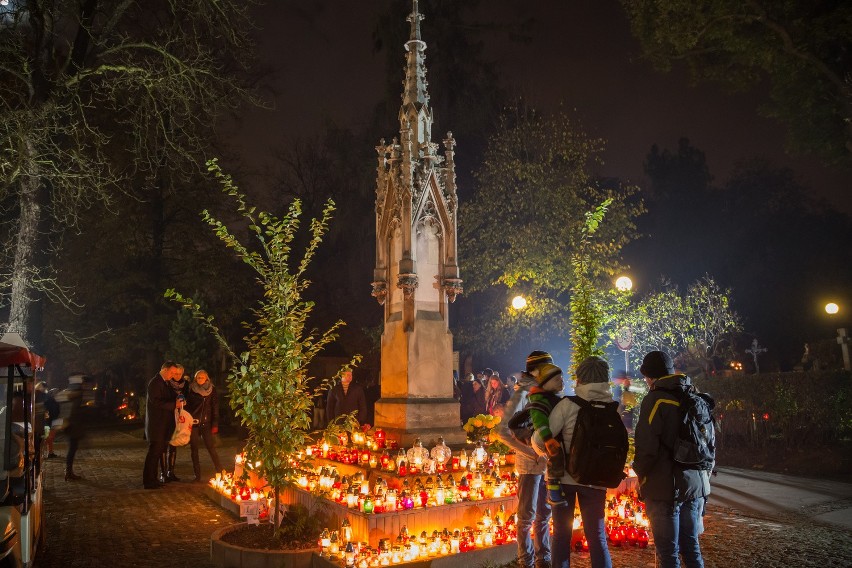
(564, 416)
(656, 433)
(527, 462)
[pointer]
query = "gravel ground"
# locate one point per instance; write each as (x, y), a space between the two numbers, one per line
(109, 520)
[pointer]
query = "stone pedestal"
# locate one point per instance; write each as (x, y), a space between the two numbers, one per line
(417, 387)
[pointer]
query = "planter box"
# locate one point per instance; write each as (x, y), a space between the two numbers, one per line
(371, 528)
(491, 556)
(226, 555)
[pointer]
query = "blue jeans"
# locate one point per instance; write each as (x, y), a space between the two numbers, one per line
(676, 527)
(592, 505)
(533, 513)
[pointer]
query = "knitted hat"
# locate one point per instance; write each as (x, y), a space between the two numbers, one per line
(592, 370)
(656, 364)
(537, 359)
(547, 372)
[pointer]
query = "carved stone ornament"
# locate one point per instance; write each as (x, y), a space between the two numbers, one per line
(408, 284)
(380, 291)
(452, 288)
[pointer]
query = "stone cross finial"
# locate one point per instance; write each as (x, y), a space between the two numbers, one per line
(755, 351)
(843, 340)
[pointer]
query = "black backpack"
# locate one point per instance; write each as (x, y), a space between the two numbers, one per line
(695, 445)
(520, 424)
(598, 445)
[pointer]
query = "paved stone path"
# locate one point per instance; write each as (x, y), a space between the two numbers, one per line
(108, 520)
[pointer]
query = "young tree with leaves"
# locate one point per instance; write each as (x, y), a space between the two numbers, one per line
(589, 313)
(693, 328)
(520, 230)
(269, 382)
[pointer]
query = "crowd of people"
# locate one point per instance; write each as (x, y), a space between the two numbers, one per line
(484, 393)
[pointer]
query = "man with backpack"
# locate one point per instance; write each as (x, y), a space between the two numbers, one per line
(582, 422)
(533, 508)
(675, 453)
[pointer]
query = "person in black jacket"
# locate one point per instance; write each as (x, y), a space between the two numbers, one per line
(674, 497)
(346, 397)
(161, 403)
(202, 402)
(169, 457)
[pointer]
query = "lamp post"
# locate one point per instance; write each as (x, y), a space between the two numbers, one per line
(832, 309)
(624, 336)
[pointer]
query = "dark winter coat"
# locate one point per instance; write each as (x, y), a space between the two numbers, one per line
(339, 404)
(472, 403)
(656, 433)
(159, 410)
(204, 409)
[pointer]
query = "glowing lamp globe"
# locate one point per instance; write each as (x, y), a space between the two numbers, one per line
(624, 284)
(832, 308)
(519, 302)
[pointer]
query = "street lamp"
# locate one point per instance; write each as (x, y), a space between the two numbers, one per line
(843, 338)
(624, 284)
(519, 302)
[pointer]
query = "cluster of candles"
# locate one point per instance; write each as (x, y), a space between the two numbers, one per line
(356, 491)
(408, 547)
(416, 461)
(626, 523)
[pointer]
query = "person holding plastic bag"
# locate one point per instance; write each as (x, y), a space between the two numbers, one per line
(202, 402)
(169, 457)
(159, 419)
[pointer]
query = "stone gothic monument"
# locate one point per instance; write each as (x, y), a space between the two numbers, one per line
(416, 273)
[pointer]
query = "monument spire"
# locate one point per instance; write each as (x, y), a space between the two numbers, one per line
(417, 274)
(414, 113)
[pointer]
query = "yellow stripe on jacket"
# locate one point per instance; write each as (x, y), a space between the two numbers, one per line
(657, 405)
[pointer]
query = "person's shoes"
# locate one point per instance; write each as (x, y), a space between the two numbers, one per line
(172, 477)
(196, 479)
(52, 455)
(71, 476)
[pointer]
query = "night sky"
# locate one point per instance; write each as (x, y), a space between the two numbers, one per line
(582, 55)
(325, 67)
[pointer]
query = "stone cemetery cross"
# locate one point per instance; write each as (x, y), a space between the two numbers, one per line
(755, 352)
(843, 340)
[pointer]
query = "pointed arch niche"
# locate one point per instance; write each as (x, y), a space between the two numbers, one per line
(428, 243)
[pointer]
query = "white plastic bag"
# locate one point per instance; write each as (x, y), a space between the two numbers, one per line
(183, 428)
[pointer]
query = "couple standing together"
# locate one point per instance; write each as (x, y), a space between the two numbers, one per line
(674, 498)
(169, 391)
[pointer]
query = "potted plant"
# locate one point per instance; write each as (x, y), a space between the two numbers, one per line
(269, 387)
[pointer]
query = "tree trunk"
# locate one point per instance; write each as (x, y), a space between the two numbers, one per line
(25, 315)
